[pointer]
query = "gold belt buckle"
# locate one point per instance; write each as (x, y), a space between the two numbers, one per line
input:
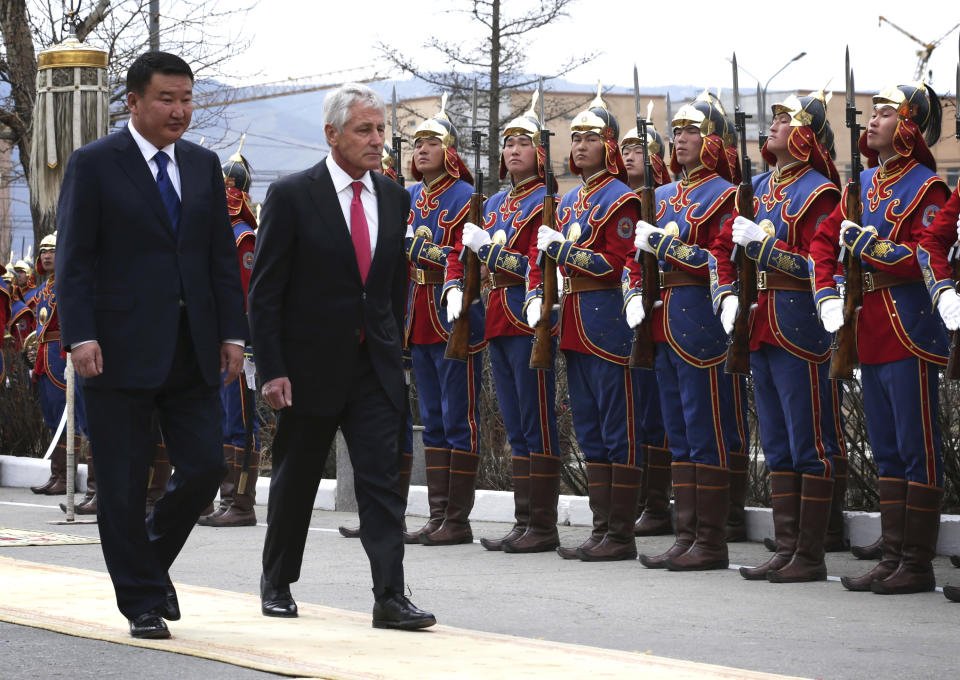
(493, 280)
(566, 285)
(761, 280)
(419, 278)
(867, 282)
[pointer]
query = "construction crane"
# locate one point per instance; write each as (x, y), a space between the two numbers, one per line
(923, 55)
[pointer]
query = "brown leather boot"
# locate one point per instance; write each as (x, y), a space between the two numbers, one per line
(87, 506)
(456, 522)
(709, 549)
(598, 488)
(228, 487)
(737, 465)
(159, 476)
(404, 466)
(56, 485)
(955, 560)
(655, 510)
(835, 541)
(521, 505)
(785, 499)
(541, 534)
(914, 574)
(952, 593)
(438, 489)
(807, 562)
(893, 500)
(685, 515)
(619, 542)
(868, 552)
(240, 511)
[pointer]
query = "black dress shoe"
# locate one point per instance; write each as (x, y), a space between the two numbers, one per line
(276, 600)
(149, 626)
(170, 610)
(396, 611)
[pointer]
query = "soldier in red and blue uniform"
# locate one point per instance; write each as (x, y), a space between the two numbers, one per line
(797, 404)
(702, 406)
(447, 390)
(48, 373)
(236, 507)
(607, 398)
(6, 295)
(505, 244)
(24, 284)
(653, 509)
(901, 342)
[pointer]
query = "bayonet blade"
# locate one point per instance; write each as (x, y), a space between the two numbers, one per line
(736, 84)
(636, 91)
(474, 103)
(540, 107)
(669, 129)
(851, 97)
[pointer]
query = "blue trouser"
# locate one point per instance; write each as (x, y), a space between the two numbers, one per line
(527, 397)
(607, 401)
(448, 392)
(53, 398)
(699, 407)
(900, 402)
(794, 401)
(234, 425)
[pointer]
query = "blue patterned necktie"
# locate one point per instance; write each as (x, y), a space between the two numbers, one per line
(171, 201)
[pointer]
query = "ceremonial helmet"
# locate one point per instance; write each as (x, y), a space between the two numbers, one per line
(23, 266)
(388, 163)
(918, 122)
(705, 114)
(49, 242)
(655, 147)
(811, 137)
(597, 118)
(238, 168)
(527, 125)
(442, 128)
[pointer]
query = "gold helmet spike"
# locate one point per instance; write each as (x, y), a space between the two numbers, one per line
(439, 127)
(650, 111)
(528, 124)
(598, 100)
(236, 157)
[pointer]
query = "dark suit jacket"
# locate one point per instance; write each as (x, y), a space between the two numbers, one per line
(307, 302)
(121, 273)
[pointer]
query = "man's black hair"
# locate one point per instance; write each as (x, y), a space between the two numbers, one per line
(148, 63)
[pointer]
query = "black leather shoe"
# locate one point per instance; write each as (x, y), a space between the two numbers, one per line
(171, 606)
(149, 626)
(396, 611)
(276, 600)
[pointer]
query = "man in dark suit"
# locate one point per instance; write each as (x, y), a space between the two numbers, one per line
(326, 306)
(151, 308)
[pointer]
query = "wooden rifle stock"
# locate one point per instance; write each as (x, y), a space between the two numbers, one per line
(738, 349)
(541, 354)
(458, 344)
(643, 352)
(953, 363)
(845, 357)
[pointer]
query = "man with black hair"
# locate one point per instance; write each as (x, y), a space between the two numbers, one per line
(152, 310)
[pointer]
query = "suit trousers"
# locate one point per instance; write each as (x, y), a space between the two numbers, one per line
(139, 553)
(371, 426)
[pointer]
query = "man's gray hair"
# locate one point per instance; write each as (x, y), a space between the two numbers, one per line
(337, 104)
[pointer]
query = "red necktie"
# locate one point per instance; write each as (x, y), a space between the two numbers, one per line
(359, 232)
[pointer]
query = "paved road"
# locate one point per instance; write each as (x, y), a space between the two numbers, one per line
(815, 630)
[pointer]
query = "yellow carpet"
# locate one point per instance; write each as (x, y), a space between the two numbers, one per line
(12, 537)
(322, 643)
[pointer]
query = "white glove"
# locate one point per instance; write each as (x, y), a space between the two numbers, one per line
(474, 237)
(747, 231)
(846, 224)
(533, 311)
(409, 233)
(831, 314)
(559, 283)
(728, 312)
(454, 304)
(643, 232)
(948, 304)
(635, 313)
(958, 230)
(547, 235)
(250, 373)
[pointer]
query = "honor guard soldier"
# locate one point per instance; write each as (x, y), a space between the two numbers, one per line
(654, 504)
(24, 283)
(447, 390)
(900, 341)
(701, 405)
(594, 242)
(797, 403)
(22, 322)
(48, 373)
(505, 244)
(236, 507)
(5, 310)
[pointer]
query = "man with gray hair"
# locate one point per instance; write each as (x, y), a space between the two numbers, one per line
(326, 302)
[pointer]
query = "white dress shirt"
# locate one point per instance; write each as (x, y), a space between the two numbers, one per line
(343, 185)
(149, 151)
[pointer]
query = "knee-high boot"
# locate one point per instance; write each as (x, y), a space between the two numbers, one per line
(456, 522)
(893, 501)
(521, 505)
(685, 515)
(709, 549)
(438, 489)
(785, 499)
(87, 506)
(232, 456)
(655, 515)
(619, 542)
(541, 534)
(807, 562)
(243, 494)
(598, 488)
(914, 574)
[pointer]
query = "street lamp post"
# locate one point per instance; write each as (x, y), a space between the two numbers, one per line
(762, 104)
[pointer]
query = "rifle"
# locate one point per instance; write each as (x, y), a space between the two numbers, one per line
(845, 357)
(458, 344)
(643, 352)
(249, 415)
(397, 138)
(953, 363)
(541, 354)
(738, 348)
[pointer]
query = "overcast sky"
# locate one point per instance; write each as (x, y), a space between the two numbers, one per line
(684, 43)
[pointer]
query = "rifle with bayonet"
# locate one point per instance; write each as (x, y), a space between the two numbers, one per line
(458, 344)
(953, 363)
(643, 352)
(738, 348)
(541, 354)
(845, 357)
(397, 138)
(249, 388)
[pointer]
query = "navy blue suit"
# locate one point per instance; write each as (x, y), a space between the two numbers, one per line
(159, 302)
